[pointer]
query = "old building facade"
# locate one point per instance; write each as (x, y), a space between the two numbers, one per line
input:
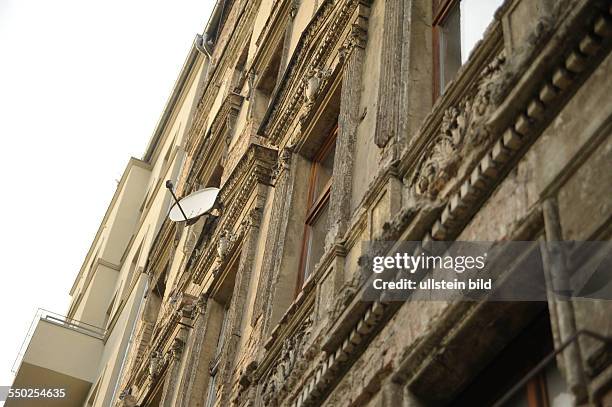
(329, 123)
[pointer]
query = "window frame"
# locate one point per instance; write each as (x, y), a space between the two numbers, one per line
(440, 10)
(211, 396)
(515, 360)
(316, 204)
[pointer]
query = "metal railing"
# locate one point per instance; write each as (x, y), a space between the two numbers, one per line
(607, 341)
(57, 320)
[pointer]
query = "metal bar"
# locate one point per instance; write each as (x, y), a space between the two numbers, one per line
(57, 320)
(540, 366)
(170, 186)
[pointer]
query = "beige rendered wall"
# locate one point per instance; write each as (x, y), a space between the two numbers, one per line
(118, 227)
(53, 347)
(367, 154)
(97, 296)
(116, 345)
(166, 163)
(124, 217)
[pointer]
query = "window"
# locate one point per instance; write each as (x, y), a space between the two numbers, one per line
(133, 273)
(545, 389)
(211, 397)
(219, 326)
(458, 26)
(266, 84)
(316, 224)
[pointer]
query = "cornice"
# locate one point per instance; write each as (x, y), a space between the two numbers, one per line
(315, 46)
(254, 168)
(220, 65)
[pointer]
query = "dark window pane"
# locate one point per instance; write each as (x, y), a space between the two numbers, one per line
(324, 170)
(316, 241)
(450, 46)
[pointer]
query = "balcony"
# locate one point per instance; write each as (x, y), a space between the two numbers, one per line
(58, 353)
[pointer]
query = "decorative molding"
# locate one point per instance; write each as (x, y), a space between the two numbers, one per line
(314, 81)
(283, 163)
(357, 325)
(201, 303)
(252, 170)
(462, 127)
(176, 351)
(358, 35)
(313, 50)
(288, 365)
(155, 364)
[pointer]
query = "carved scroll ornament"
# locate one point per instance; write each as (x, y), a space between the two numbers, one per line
(462, 127)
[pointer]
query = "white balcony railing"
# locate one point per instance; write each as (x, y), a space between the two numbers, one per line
(58, 320)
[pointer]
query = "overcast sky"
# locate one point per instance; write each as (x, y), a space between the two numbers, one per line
(82, 85)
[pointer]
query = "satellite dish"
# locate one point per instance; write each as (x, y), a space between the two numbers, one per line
(193, 205)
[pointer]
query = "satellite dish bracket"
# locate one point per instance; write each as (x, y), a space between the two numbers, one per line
(171, 189)
(194, 205)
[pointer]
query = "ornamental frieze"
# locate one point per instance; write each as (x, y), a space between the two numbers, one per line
(253, 169)
(312, 51)
(289, 365)
(462, 128)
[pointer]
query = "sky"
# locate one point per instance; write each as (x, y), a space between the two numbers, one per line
(82, 85)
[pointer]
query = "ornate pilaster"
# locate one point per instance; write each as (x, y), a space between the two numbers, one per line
(282, 178)
(353, 54)
(175, 354)
(294, 6)
(172, 377)
(239, 297)
(196, 369)
(389, 93)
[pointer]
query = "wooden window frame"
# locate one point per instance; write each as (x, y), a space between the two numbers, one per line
(440, 10)
(513, 362)
(537, 391)
(316, 204)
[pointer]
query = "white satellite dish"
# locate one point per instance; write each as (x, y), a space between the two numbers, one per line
(193, 205)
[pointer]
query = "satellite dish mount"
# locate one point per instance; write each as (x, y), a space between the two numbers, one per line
(193, 205)
(177, 203)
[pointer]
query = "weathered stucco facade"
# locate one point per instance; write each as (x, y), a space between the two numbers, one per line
(516, 147)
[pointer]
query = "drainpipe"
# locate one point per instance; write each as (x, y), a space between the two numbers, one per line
(201, 44)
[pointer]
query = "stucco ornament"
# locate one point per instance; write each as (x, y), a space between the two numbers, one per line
(462, 125)
(485, 100)
(314, 79)
(223, 245)
(155, 364)
(441, 164)
(289, 365)
(282, 164)
(127, 398)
